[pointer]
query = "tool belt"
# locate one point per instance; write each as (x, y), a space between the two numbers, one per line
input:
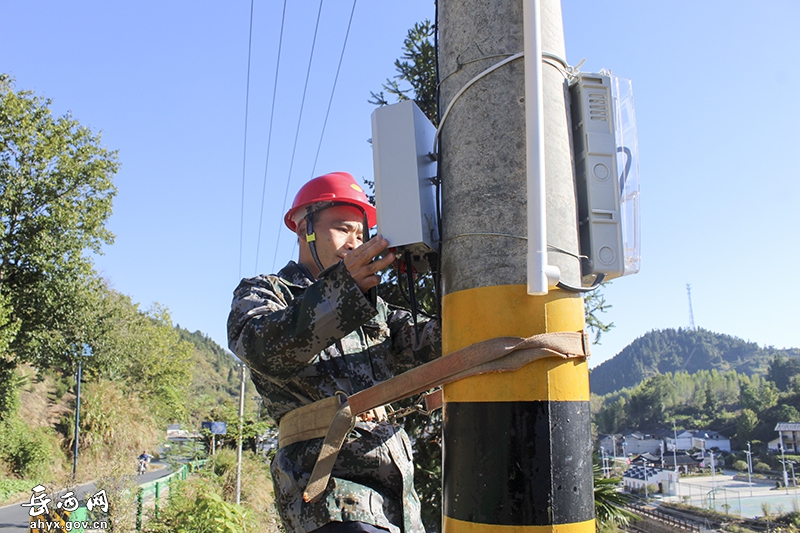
(334, 417)
(313, 420)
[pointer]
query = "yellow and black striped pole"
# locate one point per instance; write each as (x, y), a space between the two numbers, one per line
(517, 450)
(517, 446)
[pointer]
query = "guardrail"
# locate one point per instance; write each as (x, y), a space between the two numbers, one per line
(155, 488)
(655, 514)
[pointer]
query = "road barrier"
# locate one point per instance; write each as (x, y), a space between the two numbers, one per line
(156, 488)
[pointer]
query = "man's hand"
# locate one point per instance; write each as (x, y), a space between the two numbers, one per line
(361, 267)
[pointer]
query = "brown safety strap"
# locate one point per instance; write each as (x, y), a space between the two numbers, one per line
(501, 354)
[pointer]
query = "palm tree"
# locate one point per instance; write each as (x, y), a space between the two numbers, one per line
(609, 502)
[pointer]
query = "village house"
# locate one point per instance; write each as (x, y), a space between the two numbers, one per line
(700, 439)
(788, 435)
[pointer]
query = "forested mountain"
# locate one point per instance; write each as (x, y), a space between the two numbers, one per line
(215, 376)
(682, 350)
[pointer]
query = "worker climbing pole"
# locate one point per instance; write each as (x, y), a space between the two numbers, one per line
(517, 445)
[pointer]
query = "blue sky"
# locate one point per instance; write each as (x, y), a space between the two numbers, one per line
(165, 82)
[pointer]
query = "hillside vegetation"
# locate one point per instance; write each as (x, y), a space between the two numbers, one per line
(57, 314)
(717, 382)
(682, 350)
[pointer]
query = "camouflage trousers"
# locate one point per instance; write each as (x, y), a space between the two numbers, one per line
(372, 482)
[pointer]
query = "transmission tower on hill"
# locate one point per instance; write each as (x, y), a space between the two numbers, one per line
(691, 314)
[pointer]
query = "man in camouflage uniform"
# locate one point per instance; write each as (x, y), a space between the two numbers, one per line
(310, 332)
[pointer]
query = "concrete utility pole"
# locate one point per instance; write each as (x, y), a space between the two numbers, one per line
(241, 429)
(517, 446)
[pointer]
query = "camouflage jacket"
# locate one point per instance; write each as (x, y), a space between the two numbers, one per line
(304, 340)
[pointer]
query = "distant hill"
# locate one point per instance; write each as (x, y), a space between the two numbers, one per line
(215, 379)
(677, 350)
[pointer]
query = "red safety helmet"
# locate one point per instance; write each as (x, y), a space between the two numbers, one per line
(336, 188)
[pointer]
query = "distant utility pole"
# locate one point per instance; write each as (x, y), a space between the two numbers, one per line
(241, 429)
(517, 445)
(691, 313)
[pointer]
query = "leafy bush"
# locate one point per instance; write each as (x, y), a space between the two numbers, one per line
(204, 501)
(10, 487)
(740, 465)
(761, 467)
(27, 452)
(197, 506)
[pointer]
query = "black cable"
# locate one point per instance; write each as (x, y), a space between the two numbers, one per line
(623, 178)
(405, 294)
(246, 113)
(437, 269)
(269, 138)
(333, 90)
(411, 293)
(372, 293)
(297, 131)
(597, 282)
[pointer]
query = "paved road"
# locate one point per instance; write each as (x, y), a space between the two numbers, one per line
(15, 518)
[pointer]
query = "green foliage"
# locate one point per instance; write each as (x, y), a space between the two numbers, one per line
(704, 399)
(647, 406)
(9, 326)
(11, 487)
(682, 350)
(196, 506)
(788, 413)
(142, 349)
(782, 370)
(595, 303)
(609, 502)
(55, 197)
(10, 383)
(746, 425)
(215, 379)
(740, 465)
(115, 424)
(27, 452)
(203, 503)
(416, 70)
(760, 466)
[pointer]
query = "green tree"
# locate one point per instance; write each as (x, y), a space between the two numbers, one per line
(711, 402)
(595, 303)
(142, 350)
(612, 416)
(647, 406)
(55, 197)
(782, 370)
(746, 425)
(758, 397)
(609, 502)
(768, 394)
(787, 413)
(416, 70)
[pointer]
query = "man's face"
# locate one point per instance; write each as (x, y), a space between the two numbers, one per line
(339, 229)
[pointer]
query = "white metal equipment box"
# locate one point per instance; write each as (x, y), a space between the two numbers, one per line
(405, 172)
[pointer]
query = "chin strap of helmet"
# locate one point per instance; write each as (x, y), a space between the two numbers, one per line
(311, 239)
(372, 294)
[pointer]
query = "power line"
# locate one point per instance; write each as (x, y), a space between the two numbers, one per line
(333, 90)
(269, 135)
(296, 136)
(246, 113)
